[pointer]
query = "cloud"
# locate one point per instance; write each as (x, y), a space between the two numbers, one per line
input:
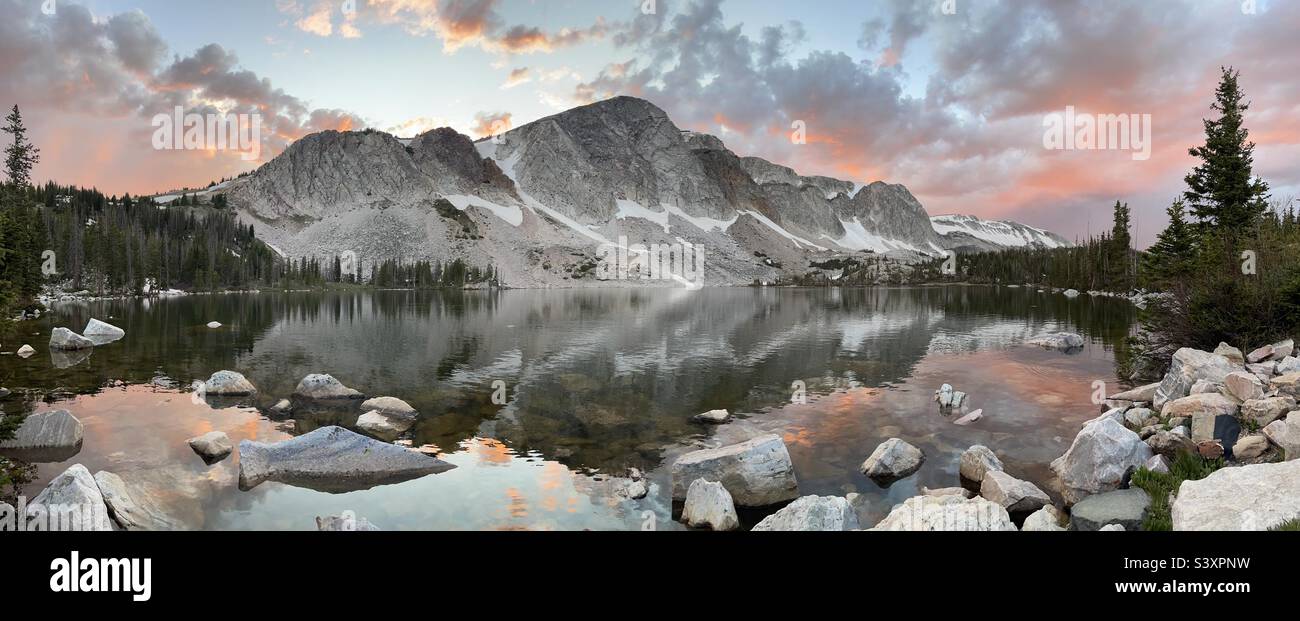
(491, 123)
(99, 83)
(458, 23)
(521, 75)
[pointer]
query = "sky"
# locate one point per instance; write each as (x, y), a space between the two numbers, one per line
(951, 98)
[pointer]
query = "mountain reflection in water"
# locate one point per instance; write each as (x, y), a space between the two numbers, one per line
(596, 382)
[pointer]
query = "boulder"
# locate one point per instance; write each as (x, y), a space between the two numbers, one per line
(1274, 352)
(1263, 370)
(131, 510)
(756, 473)
(1158, 464)
(1141, 394)
(1116, 414)
(1285, 366)
(71, 502)
(1138, 418)
(1170, 444)
(894, 459)
(1210, 403)
(26, 351)
(713, 417)
(1210, 426)
(812, 513)
(100, 333)
(391, 406)
(1117, 404)
(1261, 412)
(948, 491)
(969, 419)
(322, 387)
(1202, 387)
(1112, 528)
(1285, 434)
(708, 505)
(384, 426)
(1244, 386)
(1100, 459)
(1187, 366)
(1254, 497)
(212, 446)
(214, 324)
(1288, 385)
(344, 523)
(949, 398)
(1014, 495)
(977, 462)
(63, 339)
(332, 459)
(1231, 353)
(228, 384)
(1047, 519)
(946, 513)
(1064, 341)
(282, 407)
(1250, 447)
(45, 437)
(1126, 507)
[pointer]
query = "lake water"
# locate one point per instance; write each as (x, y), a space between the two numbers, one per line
(596, 383)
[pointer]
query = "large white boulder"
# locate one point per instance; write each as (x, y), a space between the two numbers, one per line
(100, 332)
(977, 461)
(1047, 519)
(46, 436)
(130, 507)
(1244, 386)
(812, 513)
(1187, 366)
(1256, 497)
(946, 513)
(1100, 459)
(332, 459)
(708, 505)
(756, 473)
(71, 502)
(1141, 394)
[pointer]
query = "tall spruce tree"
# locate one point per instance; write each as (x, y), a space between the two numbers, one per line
(1221, 192)
(21, 155)
(1171, 257)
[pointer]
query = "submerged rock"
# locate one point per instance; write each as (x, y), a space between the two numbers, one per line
(708, 505)
(71, 502)
(713, 417)
(63, 339)
(332, 459)
(213, 446)
(319, 386)
(228, 383)
(969, 419)
(756, 473)
(344, 523)
(131, 510)
(1100, 459)
(812, 513)
(894, 459)
(45, 437)
(68, 358)
(1255, 497)
(1064, 341)
(946, 513)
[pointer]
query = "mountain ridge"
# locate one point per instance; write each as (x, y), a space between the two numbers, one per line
(545, 196)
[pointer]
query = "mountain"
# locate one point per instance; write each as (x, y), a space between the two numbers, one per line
(971, 234)
(546, 202)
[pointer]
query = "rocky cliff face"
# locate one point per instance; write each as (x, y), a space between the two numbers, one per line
(545, 201)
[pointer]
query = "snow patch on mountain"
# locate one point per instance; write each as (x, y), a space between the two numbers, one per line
(998, 233)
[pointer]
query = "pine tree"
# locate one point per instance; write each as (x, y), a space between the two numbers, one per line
(1221, 191)
(1170, 258)
(20, 156)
